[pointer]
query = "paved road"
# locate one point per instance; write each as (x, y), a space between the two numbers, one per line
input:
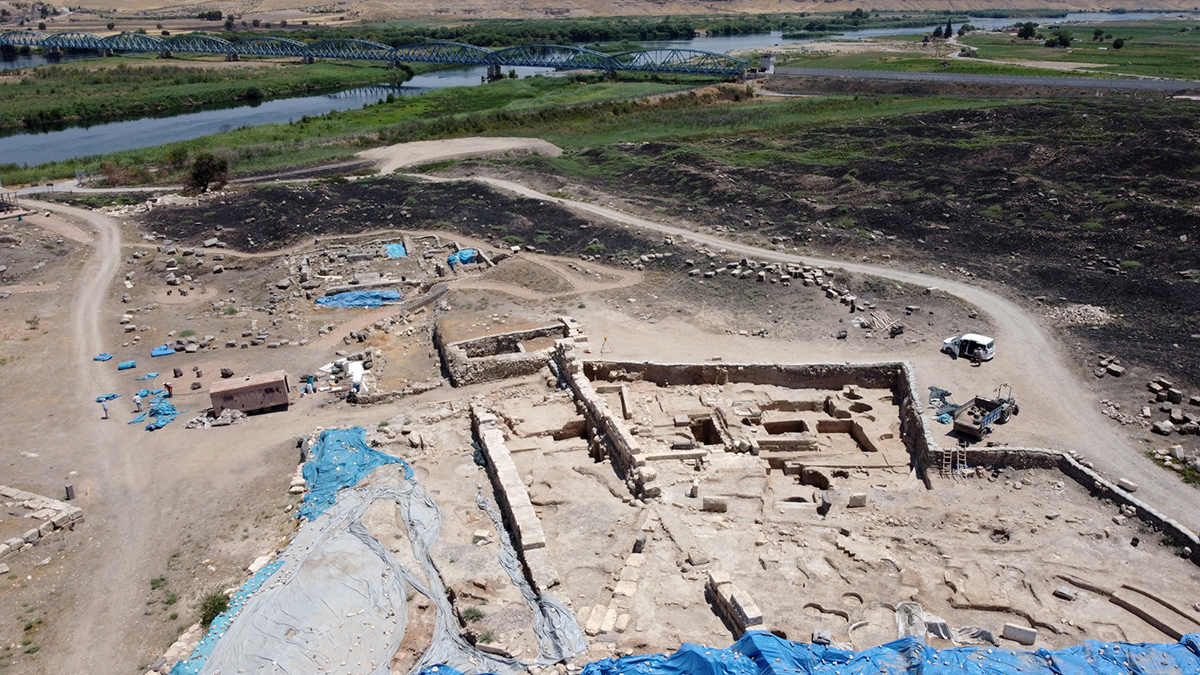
(1023, 80)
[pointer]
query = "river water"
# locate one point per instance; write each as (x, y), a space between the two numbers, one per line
(45, 146)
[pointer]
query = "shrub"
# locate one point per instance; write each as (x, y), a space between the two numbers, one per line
(472, 614)
(1131, 265)
(157, 583)
(211, 607)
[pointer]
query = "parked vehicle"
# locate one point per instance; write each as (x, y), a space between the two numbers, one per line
(974, 417)
(970, 346)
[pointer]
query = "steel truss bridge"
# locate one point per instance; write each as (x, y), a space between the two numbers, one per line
(677, 61)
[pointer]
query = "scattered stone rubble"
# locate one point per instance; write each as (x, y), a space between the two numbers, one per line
(45, 517)
(227, 417)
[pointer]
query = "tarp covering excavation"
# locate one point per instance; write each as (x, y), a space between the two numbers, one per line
(395, 250)
(335, 600)
(761, 653)
(463, 257)
(162, 350)
(340, 459)
(360, 299)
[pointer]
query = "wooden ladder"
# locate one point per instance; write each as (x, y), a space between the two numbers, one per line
(947, 463)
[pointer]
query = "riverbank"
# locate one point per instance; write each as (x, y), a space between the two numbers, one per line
(336, 135)
(102, 90)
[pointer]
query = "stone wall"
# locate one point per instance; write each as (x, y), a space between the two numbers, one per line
(498, 357)
(45, 516)
(1094, 483)
(513, 498)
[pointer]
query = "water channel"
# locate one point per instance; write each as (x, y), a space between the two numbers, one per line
(37, 147)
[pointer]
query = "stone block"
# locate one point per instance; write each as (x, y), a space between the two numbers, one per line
(1115, 370)
(481, 536)
(746, 609)
(857, 500)
(1127, 485)
(714, 505)
(622, 623)
(1019, 634)
(610, 620)
(716, 578)
(595, 620)
(635, 560)
(4, 569)
(1065, 593)
(1174, 396)
(45, 528)
(31, 536)
(4, 550)
(1163, 428)
(14, 543)
(626, 588)
(820, 636)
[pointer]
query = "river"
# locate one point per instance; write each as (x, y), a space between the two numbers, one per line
(45, 146)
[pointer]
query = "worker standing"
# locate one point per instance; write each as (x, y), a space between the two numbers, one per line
(104, 404)
(170, 390)
(137, 402)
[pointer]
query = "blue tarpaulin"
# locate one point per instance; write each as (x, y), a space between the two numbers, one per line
(162, 350)
(148, 376)
(102, 357)
(106, 397)
(762, 653)
(126, 365)
(146, 393)
(461, 258)
(360, 299)
(395, 250)
(140, 418)
(339, 459)
(162, 413)
(193, 664)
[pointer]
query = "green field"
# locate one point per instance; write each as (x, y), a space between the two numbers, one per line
(337, 135)
(1164, 48)
(102, 90)
(912, 62)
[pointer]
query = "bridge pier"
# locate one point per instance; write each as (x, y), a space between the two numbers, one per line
(394, 65)
(493, 73)
(233, 57)
(165, 54)
(54, 52)
(307, 59)
(104, 52)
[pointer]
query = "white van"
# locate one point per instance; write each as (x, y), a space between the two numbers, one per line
(968, 344)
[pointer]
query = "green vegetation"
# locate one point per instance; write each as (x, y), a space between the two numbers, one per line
(183, 333)
(211, 607)
(913, 62)
(80, 91)
(311, 140)
(472, 614)
(1155, 48)
(157, 583)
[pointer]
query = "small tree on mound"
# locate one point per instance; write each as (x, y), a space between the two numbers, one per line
(208, 169)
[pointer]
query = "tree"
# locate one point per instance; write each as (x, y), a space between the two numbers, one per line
(111, 25)
(41, 25)
(949, 30)
(937, 32)
(1026, 30)
(255, 22)
(176, 156)
(229, 23)
(1098, 34)
(208, 169)
(964, 29)
(1118, 43)
(283, 23)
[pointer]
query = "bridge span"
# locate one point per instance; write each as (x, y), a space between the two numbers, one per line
(562, 57)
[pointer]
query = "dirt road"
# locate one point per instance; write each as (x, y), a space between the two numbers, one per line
(421, 152)
(1029, 358)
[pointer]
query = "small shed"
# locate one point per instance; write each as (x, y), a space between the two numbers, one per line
(260, 391)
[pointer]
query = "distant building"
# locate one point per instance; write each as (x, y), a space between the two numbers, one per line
(258, 392)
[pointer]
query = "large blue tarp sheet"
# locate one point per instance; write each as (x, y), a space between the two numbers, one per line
(148, 376)
(360, 299)
(126, 365)
(162, 350)
(339, 459)
(463, 257)
(193, 664)
(102, 357)
(395, 250)
(162, 412)
(762, 653)
(106, 397)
